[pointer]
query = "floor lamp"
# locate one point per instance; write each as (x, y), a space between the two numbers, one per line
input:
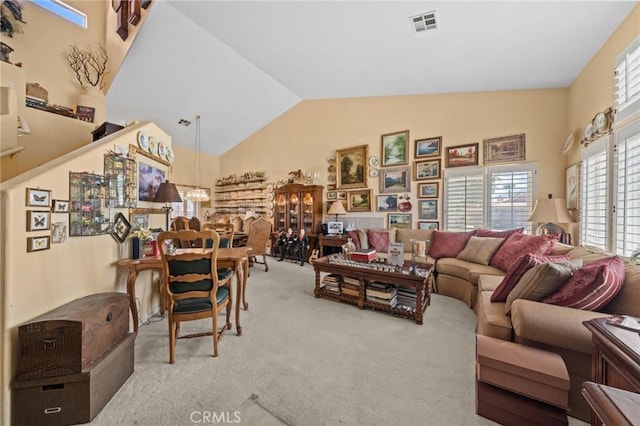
(167, 193)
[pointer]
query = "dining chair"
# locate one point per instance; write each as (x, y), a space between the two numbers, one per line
(238, 223)
(225, 230)
(257, 241)
(194, 287)
(246, 227)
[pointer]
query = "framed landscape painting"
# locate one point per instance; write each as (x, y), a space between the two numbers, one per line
(397, 179)
(399, 220)
(387, 203)
(424, 224)
(504, 149)
(359, 201)
(462, 155)
(428, 147)
(428, 209)
(427, 169)
(352, 167)
(428, 190)
(395, 148)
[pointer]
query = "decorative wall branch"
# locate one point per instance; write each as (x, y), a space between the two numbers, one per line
(89, 65)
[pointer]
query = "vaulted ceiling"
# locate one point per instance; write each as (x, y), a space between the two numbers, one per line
(240, 64)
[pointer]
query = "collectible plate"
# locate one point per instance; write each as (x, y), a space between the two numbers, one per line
(270, 205)
(600, 123)
(270, 188)
(270, 196)
(331, 159)
(162, 150)
(143, 140)
(373, 173)
(588, 131)
(153, 145)
(374, 161)
(169, 154)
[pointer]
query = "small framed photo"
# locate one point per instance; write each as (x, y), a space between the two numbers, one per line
(399, 220)
(426, 225)
(428, 190)
(341, 195)
(139, 221)
(462, 155)
(121, 228)
(38, 197)
(427, 169)
(387, 203)
(428, 209)
(573, 186)
(332, 195)
(504, 149)
(359, 201)
(58, 232)
(395, 150)
(38, 243)
(352, 167)
(428, 147)
(396, 179)
(38, 220)
(61, 206)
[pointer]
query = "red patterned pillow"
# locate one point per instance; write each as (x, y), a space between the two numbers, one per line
(448, 244)
(498, 234)
(518, 245)
(354, 238)
(592, 286)
(378, 240)
(517, 270)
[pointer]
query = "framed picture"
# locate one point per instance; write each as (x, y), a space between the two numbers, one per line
(428, 225)
(359, 201)
(139, 221)
(429, 190)
(573, 186)
(395, 150)
(149, 179)
(504, 149)
(397, 179)
(332, 195)
(38, 243)
(38, 220)
(428, 147)
(38, 197)
(341, 195)
(428, 209)
(426, 169)
(399, 220)
(387, 203)
(121, 228)
(58, 232)
(462, 155)
(61, 206)
(352, 167)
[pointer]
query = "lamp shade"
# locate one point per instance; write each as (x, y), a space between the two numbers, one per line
(337, 208)
(167, 193)
(550, 210)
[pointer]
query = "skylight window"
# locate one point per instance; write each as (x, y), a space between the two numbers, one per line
(64, 11)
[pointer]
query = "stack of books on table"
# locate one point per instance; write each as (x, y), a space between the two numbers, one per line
(331, 282)
(366, 255)
(406, 299)
(382, 293)
(350, 286)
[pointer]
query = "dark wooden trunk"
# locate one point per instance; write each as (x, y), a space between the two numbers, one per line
(69, 339)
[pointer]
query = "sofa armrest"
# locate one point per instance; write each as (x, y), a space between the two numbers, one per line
(552, 324)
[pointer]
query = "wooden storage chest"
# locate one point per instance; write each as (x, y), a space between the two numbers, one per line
(69, 339)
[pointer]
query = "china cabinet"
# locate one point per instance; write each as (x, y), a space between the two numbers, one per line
(121, 176)
(298, 207)
(88, 214)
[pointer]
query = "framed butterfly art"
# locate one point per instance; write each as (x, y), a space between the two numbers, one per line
(60, 206)
(38, 220)
(38, 197)
(38, 243)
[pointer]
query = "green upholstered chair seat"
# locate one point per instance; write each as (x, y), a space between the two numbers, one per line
(199, 304)
(224, 273)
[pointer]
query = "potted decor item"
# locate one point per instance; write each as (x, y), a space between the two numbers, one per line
(10, 16)
(89, 65)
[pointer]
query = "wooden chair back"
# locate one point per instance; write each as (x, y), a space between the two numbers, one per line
(224, 230)
(238, 223)
(257, 240)
(247, 224)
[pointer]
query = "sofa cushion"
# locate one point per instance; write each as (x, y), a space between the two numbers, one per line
(497, 234)
(480, 249)
(492, 320)
(379, 239)
(588, 253)
(518, 245)
(468, 271)
(592, 286)
(489, 282)
(448, 244)
(626, 301)
(518, 269)
(541, 281)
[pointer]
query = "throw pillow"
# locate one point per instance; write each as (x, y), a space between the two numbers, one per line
(498, 234)
(517, 270)
(541, 281)
(355, 238)
(480, 249)
(592, 286)
(362, 238)
(518, 245)
(379, 239)
(448, 244)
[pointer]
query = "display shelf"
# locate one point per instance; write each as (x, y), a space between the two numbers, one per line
(121, 176)
(240, 197)
(87, 205)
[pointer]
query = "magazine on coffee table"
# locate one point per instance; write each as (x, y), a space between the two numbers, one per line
(625, 321)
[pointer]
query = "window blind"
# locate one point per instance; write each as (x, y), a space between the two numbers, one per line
(185, 208)
(511, 197)
(464, 200)
(627, 81)
(594, 221)
(627, 195)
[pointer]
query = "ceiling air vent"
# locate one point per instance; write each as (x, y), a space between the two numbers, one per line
(424, 22)
(184, 122)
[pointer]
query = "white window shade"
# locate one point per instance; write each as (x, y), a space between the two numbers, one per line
(594, 222)
(185, 208)
(627, 190)
(627, 81)
(464, 200)
(511, 197)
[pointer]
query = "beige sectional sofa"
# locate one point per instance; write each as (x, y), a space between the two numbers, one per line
(551, 327)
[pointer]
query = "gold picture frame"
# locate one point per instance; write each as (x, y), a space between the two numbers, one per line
(359, 201)
(504, 149)
(395, 149)
(352, 167)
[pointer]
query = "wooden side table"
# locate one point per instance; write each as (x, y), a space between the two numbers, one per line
(612, 406)
(330, 241)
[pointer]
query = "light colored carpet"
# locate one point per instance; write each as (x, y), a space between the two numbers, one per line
(306, 361)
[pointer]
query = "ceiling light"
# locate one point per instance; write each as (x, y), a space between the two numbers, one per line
(197, 194)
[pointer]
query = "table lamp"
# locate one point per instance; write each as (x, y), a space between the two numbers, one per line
(547, 211)
(337, 208)
(167, 193)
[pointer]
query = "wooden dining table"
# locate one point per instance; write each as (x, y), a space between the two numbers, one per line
(236, 258)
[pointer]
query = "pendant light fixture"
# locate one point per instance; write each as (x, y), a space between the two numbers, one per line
(197, 194)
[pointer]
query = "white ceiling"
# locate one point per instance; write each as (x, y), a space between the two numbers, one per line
(241, 64)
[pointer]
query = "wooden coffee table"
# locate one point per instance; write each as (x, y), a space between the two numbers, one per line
(419, 284)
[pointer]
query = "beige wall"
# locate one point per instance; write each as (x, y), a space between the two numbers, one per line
(307, 134)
